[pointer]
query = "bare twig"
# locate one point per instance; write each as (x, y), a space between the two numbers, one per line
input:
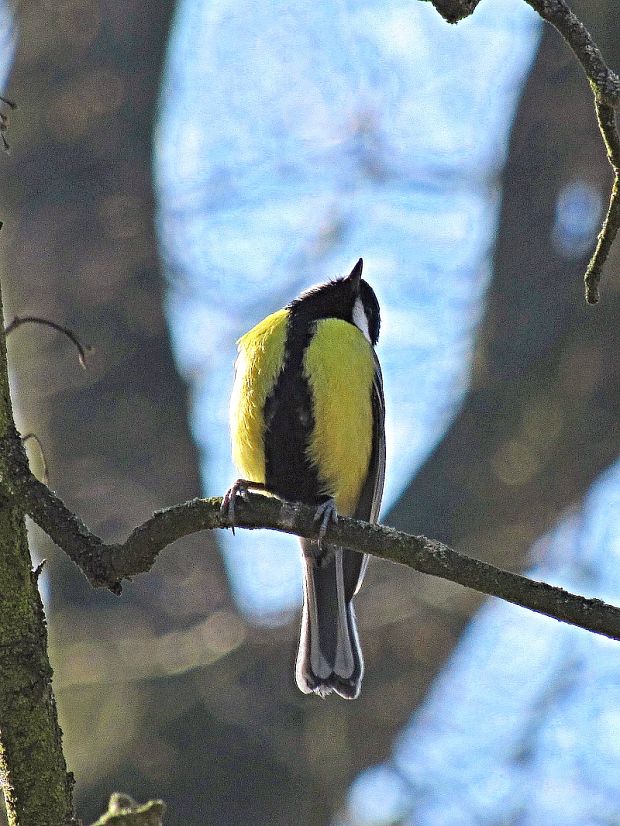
(605, 82)
(44, 466)
(33, 319)
(605, 85)
(106, 565)
(606, 116)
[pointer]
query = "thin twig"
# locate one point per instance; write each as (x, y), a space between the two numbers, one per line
(44, 465)
(606, 116)
(33, 319)
(106, 565)
(605, 85)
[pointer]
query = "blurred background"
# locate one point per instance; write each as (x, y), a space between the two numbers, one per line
(177, 172)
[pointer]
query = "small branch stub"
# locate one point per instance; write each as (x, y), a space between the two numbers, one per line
(454, 10)
(124, 811)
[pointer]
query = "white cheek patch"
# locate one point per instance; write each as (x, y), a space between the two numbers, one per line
(360, 319)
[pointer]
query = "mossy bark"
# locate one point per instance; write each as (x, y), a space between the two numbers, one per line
(37, 787)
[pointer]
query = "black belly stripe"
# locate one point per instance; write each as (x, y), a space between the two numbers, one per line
(289, 419)
(289, 423)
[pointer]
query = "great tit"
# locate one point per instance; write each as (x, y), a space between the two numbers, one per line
(307, 424)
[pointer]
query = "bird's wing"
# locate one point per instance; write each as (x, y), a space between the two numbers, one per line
(370, 499)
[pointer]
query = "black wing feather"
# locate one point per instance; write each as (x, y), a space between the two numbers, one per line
(369, 503)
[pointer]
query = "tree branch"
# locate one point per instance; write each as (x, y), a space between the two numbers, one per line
(605, 82)
(605, 85)
(37, 787)
(106, 565)
(606, 116)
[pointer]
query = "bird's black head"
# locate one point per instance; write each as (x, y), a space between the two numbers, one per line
(351, 299)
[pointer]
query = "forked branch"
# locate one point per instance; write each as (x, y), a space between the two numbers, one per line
(106, 565)
(605, 85)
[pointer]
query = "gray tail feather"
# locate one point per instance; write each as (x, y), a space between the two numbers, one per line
(329, 657)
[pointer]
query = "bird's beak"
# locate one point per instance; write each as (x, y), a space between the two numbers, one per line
(355, 276)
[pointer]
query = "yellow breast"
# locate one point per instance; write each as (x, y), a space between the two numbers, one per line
(339, 367)
(260, 359)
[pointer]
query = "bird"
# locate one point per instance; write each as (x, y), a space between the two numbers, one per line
(307, 422)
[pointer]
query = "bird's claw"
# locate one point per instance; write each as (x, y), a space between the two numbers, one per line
(326, 512)
(238, 488)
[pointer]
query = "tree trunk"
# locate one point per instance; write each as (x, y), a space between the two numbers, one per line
(37, 787)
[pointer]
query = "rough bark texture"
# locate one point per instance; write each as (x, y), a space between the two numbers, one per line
(37, 787)
(106, 565)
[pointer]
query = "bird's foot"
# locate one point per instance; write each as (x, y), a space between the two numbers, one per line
(325, 513)
(239, 488)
